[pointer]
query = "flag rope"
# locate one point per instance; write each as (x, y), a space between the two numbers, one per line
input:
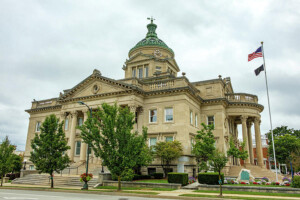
(262, 44)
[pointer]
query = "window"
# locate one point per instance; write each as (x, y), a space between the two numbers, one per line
(77, 150)
(140, 72)
(211, 120)
(79, 121)
(133, 72)
(31, 167)
(66, 124)
(158, 69)
(169, 138)
(192, 143)
(196, 120)
(153, 115)
(191, 117)
(169, 114)
(38, 127)
(146, 71)
(152, 141)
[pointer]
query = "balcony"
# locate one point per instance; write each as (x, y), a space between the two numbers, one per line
(241, 97)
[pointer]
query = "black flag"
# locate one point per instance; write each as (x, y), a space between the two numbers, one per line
(258, 70)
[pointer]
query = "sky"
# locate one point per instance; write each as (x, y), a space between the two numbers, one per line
(49, 46)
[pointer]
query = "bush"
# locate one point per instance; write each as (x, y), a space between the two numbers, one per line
(181, 178)
(139, 177)
(296, 182)
(210, 178)
(158, 175)
(13, 176)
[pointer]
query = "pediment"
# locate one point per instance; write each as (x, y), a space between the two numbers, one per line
(95, 85)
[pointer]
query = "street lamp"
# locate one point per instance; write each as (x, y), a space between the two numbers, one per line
(85, 186)
(24, 168)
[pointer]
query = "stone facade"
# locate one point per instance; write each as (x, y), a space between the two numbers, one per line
(171, 106)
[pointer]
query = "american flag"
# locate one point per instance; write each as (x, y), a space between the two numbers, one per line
(255, 54)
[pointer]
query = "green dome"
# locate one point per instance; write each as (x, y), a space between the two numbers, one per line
(151, 39)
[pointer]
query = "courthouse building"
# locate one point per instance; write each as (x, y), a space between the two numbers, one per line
(162, 99)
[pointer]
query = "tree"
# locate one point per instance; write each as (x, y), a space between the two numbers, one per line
(281, 131)
(233, 150)
(6, 158)
(16, 163)
(218, 161)
(204, 146)
(112, 139)
(243, 154)
(49, 147)
(167, 152)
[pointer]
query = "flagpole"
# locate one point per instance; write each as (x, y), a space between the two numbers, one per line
(265, 69)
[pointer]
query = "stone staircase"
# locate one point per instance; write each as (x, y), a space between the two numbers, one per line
(59, 181)
(256, 171)
(80, 168)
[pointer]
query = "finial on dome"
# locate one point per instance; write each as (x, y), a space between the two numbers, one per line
(151, 28)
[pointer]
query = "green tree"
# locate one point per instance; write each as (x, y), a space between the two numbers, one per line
(281, 131)
(6, 157)
(204, 146)
(233, 150)
(218, 161)
(243, 154)
(113, 140)
(49, 147)
(16, 163)
(167, 152)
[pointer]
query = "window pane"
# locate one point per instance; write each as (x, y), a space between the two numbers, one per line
(37, 128)
(210, 120)
(79, 121)
(191, 117)
(133, 72)
(146, 71)
(168, 114)
(152, 141)
(77, 151)
(140, 72)
(153, 115)
(169, 138)
(66, 124)
(196, 120)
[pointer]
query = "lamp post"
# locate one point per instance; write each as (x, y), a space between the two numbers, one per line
(102, 170)
(85, 186)
(24, 168)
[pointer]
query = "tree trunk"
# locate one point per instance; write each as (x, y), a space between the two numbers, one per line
(1, 180)
(51, 177)
(119, 183)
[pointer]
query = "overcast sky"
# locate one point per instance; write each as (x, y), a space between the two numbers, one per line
(49, 46)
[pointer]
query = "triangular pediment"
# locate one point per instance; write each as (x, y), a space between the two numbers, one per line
(95, 85)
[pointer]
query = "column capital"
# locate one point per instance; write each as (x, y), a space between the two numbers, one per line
(132, 107)
(244, 118)
(73, 113)
(63, 114)
(249, 124)
(257, 120)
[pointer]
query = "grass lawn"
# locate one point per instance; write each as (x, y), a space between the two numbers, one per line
(257, 185)
(135, 188)
(250, 193)
(226, 197)
(153, 181)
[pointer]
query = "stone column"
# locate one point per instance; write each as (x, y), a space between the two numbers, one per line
(249, 125)
(245, 138)
(83, 147)
(72, 135)
(132, 109)
(258, 142)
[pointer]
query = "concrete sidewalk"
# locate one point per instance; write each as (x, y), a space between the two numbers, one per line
(164, 194)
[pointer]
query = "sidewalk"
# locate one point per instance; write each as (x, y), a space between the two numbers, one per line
(163, 194)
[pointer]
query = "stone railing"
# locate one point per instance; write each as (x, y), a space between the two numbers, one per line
(165, 84)
(241, 97)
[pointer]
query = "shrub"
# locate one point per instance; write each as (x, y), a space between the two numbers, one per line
(181, 178)
(296, 182)
(139, 177)
(158, 175)
(210, 178)
(13, 176)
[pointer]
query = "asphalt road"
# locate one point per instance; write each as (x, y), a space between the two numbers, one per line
(45, 195)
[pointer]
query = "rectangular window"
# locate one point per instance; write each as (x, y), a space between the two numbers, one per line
(192, 143)
(146, 71)
(168, 114)
(140, 72)
(169, 138)
(211, 120)
(196, 120)
(191, 117)
(158, 69)
(153, 115)
(77, 150)
(133, 72)
(66, 124)
(152, 141)
(31, 167)
(38, 127)
(79, 121)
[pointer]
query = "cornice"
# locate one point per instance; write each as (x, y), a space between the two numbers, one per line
(48, 108)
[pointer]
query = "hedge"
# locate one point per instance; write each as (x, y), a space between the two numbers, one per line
(296, 182)
(158, 175)
(139, 177)
(181, 178)
(210, 178)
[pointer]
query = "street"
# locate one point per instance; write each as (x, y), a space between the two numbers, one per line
(46, 195)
